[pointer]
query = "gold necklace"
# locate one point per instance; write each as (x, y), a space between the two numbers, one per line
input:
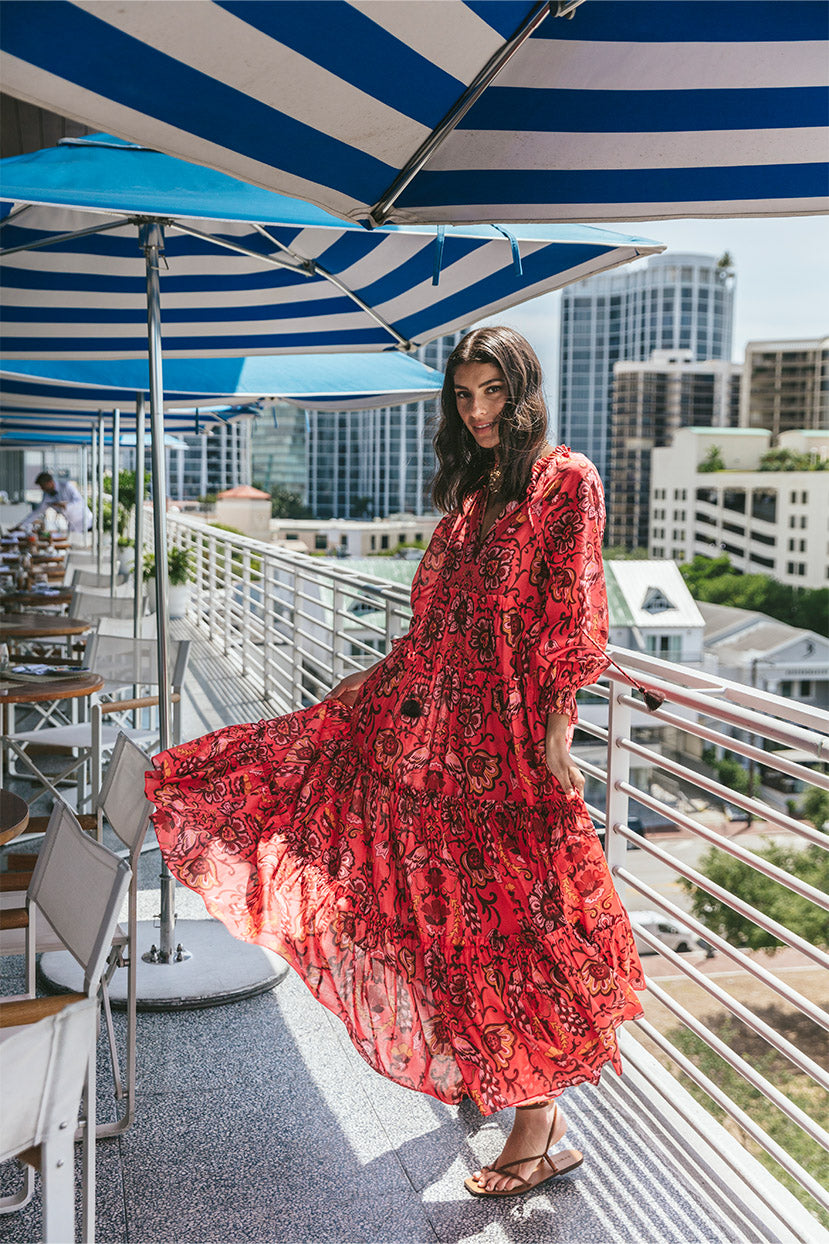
(495, 477)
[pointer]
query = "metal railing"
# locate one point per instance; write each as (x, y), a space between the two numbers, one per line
(293, 625)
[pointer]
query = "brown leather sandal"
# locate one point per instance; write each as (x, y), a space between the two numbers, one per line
(558, 1164)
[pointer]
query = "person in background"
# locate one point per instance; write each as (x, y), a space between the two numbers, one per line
(65, 498)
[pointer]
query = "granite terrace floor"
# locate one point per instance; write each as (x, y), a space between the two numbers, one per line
(259, 1122)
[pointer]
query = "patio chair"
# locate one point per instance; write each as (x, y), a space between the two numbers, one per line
(127, 810)
(46, 1064)
(95, 605)
(70, 864)
(112, 615)
(90, 578)
(130, 668)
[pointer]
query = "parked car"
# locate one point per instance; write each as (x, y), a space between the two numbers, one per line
(674, 935)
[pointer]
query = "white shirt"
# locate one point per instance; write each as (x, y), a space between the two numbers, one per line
(75, 510)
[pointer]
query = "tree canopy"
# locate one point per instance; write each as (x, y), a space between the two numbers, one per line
(714, 579)
(810, 864)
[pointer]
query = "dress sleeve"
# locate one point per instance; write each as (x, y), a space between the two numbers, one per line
(567, 518)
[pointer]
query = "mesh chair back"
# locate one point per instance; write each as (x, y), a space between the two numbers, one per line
(91, 605)
(129, 661)
(90, 578)
(46, 1063)
(79, 885)
(122, 798)
(123, 659)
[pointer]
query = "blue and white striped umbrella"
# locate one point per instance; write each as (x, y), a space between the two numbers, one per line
(319, 381)
(455, 111)
(247, 272)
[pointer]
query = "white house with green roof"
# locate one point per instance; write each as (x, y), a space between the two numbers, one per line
(652, 610)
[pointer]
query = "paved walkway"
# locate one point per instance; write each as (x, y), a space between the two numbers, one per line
(258, 1122)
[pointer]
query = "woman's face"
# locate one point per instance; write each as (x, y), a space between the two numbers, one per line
(480, 396)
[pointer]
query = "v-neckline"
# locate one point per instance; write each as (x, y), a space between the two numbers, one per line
(482, 538)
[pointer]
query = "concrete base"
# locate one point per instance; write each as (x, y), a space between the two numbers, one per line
(221, 969)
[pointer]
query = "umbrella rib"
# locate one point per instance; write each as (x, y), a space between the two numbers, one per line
(302, 269)
(16, 214)
(305, 267)
(381, 210)
(65, 237)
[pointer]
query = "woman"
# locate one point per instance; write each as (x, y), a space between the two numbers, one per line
(417, 846)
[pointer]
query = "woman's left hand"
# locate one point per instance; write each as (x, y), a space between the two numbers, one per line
(559, 761)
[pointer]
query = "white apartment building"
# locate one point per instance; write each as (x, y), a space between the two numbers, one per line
(768, 522)
(343, 537)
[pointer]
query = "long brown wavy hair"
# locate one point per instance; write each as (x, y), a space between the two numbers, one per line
(463, 467)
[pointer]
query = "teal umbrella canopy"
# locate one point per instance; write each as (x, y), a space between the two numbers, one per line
(242, 272)
(330, 381)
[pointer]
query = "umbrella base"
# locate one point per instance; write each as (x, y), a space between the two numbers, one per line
(220, 969)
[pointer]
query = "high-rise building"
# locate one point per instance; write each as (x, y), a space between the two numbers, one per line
(786, 385)
(674, 302)
(279, 449)
(371, 463)
(212, 461)
(650, 402)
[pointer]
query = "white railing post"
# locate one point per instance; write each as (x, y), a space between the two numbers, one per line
(296, 664)
(246, 609)
(200, 571)
(618, 771)
(227, 594)
(267, 626)
(211, 587)
(337, 639)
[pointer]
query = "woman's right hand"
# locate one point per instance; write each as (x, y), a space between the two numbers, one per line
(347, 688)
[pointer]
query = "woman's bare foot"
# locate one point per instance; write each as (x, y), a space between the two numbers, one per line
(529, 1138)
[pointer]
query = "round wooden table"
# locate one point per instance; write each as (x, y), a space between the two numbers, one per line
(49, 689)
(14, 816)
(40, 626)
(31, 600)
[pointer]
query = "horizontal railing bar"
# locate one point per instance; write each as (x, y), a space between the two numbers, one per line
(725, 896)
(654, 667)
(741, 718)
(739, 694)
(762, 811)
(744, 1121)
(364, 647)
(598, 732)
(597, 689)
(741, 1012)
(809, 892)
(780, 987)
(590, 769)
(700, 731)
(750, 1074)
(596, 813)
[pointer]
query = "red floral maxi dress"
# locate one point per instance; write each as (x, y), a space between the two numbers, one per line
(411, 856)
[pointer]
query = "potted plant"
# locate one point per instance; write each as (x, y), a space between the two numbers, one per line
(126, 558)
(180, 574)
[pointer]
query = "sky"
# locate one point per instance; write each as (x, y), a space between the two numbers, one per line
(782, 274)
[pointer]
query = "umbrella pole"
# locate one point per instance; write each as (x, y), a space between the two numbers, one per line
(93, 485)
(84, 486)
(100, 548)
(140, 426)
(152, 242)
(116, 467)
